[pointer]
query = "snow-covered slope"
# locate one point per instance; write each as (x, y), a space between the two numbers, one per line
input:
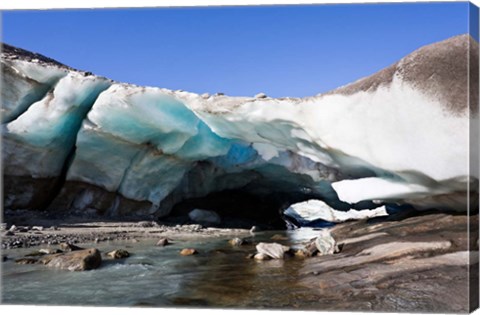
(72, 140)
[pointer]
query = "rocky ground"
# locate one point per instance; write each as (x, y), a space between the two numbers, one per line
(416, 264)
(38, 228)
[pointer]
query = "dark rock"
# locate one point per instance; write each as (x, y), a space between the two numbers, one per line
(4, 258)
(188, 252)
(118, 254)
(9, 233)
(163, 242)
(77, 260)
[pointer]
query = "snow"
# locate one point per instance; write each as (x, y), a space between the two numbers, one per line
(316, 209)
(370, 188)
(27, 83)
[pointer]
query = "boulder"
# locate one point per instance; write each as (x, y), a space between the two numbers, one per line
(204, 216)
(37, 228)
(118, 254)
(326, 244)
(188, 252)
(78, 260)
(4, 258)
(163, 242)
(273, 250)
(261, 95)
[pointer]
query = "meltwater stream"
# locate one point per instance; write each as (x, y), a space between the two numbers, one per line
(219, 276)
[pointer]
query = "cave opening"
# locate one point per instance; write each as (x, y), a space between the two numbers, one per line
(239, 208)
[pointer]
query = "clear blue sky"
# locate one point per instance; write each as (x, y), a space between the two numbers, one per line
(279, 50)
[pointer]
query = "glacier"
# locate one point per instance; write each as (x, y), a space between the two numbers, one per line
(73, 141)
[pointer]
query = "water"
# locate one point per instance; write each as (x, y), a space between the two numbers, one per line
(220, 276)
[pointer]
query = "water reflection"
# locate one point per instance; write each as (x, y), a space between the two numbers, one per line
(220, 276)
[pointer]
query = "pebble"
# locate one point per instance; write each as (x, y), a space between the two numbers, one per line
(236, 241)
(260, 256)
(188, 252)
(118, 254)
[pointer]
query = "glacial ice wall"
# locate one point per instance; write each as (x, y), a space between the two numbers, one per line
(75, 141)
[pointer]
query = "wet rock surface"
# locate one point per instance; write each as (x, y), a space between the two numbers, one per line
(272, 250)
(118, 254)
(188, 252)
(78, 260)
(163, 242)
(412, 264)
